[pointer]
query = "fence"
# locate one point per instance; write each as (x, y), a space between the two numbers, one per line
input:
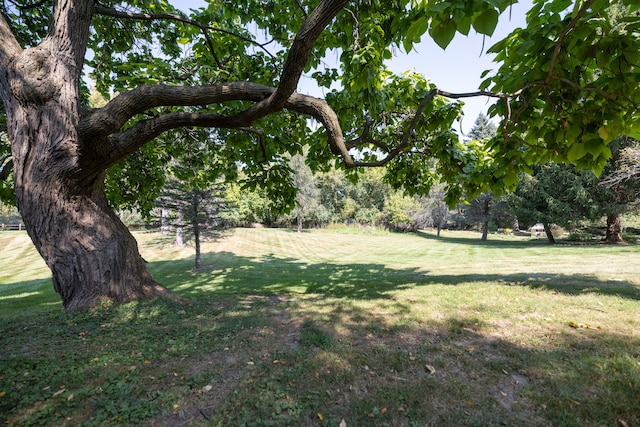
(12, 227)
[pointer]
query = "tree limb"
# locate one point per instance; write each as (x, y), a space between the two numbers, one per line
(105, 123)
(297, 58)
(9, 46)
(406, 135)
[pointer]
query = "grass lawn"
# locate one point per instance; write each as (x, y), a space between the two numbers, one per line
(335, 327)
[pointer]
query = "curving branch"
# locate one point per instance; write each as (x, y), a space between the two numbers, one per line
(105, 124)
(297, 58)
(109, 120)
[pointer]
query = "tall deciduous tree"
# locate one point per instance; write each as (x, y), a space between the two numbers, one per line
(566, 86)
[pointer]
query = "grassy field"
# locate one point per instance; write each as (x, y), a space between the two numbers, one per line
(333, 328)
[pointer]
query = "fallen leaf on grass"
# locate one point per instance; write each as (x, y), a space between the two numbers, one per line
(583, 326)
(320, 416)
(430, 368)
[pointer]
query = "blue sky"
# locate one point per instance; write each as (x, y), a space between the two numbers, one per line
(456, 69)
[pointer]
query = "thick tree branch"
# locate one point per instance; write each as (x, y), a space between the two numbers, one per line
(9, 46)
(297, 58)
(110, 118)
(106, 123)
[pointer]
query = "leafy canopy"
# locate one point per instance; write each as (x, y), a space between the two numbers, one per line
(566, 85)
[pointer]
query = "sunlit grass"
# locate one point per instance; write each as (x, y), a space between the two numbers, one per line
(370, 327)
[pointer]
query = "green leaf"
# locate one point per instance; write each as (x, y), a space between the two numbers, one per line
(417, 29)
(486, 22)
(443, 33)
(439, 7)
(577, 151)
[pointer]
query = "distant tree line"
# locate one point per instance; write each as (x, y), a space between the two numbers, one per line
(556, 196)
(552, 195)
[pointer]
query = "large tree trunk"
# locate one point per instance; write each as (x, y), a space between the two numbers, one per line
(58, 183)
(91, 253)
(614, 229)
(92, 256)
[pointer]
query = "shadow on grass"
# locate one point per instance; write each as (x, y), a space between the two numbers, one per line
(283, 361)
(227, 273)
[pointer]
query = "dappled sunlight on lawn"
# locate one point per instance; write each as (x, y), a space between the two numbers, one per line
(285, 328)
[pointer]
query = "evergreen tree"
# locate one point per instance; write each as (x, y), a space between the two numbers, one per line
(481, 209)
(482, 129)
(308, 195)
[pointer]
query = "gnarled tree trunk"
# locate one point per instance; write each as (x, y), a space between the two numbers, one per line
(614, 229)
(59, 188)
(91, 254)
